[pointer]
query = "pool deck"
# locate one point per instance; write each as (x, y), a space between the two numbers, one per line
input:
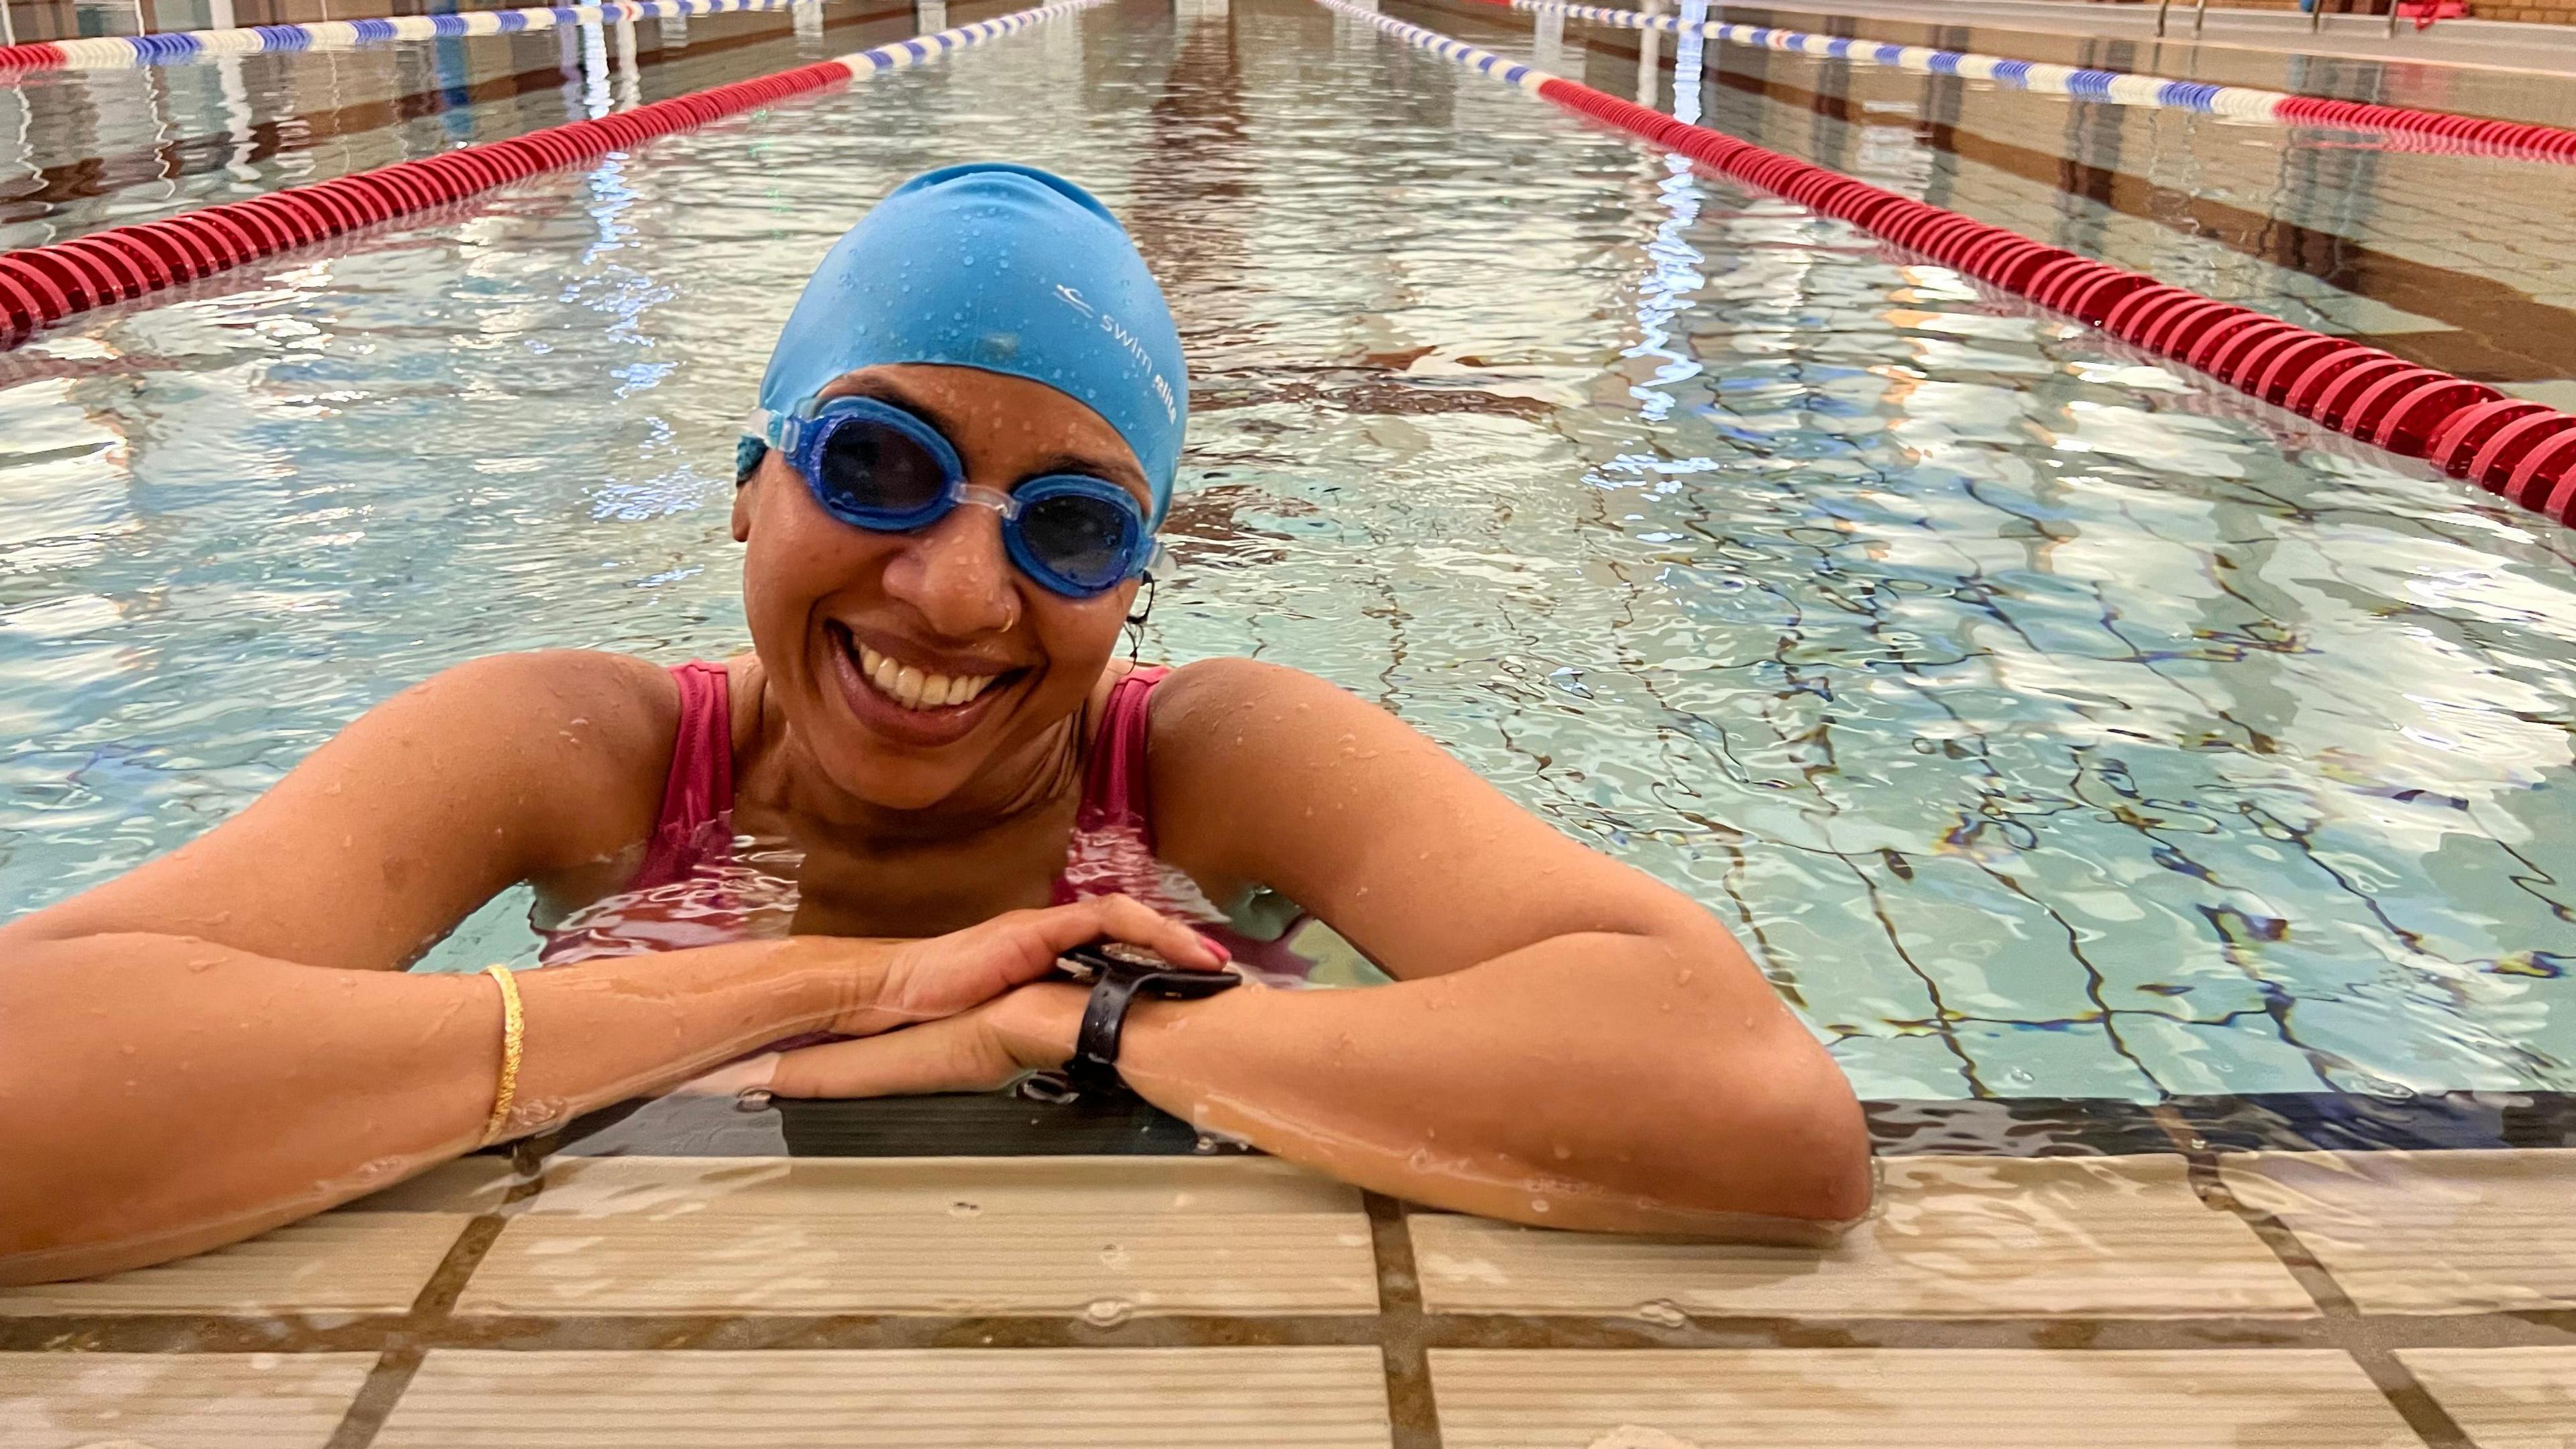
(2185, 1297)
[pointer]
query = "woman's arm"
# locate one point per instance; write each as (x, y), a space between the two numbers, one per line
(166, 1095)
(221, 1040)
(1569, 1042)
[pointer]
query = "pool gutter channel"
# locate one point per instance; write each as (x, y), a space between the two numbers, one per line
(2522, 451)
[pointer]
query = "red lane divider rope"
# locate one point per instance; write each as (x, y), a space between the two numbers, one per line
(2518, 449)
(40, 286)
(2521, 450)
(2461, 134)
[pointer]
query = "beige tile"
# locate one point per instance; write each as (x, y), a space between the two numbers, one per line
(1954, 1237)
(1916, 1398)
(176, 1401)
(2506, 1398)
(1110, 1235)
(371, 1262)
(467, 1185)
(895, 1399)
(2426, 1232)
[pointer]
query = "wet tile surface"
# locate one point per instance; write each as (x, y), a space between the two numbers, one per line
(478, 1184)
(2426, 1232)
(176, 1401)
(1104, 1236)
(1334, 1398)
(1955, 1237)
(1776, 1398)
(343, 1262)
(2506, 1398)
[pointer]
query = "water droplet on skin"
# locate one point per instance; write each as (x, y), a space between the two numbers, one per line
(752, 1099)
(1563, 1152)
(1114, 1256)
(963, 1209)
(1663, 1314)
(1107, 1312)
(1538, 1204)
(2020, 1077)
(1206, 1145)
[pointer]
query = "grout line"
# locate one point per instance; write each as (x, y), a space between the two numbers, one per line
(2396, 1383)
(430, 1311)
(376, 1398)
(2413, 1402)
(1413, 1414)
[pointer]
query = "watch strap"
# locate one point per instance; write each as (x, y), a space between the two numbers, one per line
(1094, 1064)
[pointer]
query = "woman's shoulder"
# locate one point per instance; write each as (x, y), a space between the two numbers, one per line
(1205, 691)
(605, 691)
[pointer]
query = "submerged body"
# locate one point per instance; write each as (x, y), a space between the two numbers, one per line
(944, 534)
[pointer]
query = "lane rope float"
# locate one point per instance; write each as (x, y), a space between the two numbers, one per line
(2245, 103)
(40, 286)
(2513, 447)
(120, 52)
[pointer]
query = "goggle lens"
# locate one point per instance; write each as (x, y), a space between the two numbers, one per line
(1086, 541)
(874, 473)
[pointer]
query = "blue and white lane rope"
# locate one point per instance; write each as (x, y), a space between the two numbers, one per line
(903, 54)
(2029, 75)
(40, 286)
(2246, 103)
(111, 52)
(1484, 62)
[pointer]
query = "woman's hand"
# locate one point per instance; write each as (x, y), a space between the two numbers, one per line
(930, 979)
(1029, 1028)
(960, 1012)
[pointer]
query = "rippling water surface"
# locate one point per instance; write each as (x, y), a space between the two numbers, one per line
(2046, 723)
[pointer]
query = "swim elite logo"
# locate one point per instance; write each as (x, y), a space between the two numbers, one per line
(1127, 340)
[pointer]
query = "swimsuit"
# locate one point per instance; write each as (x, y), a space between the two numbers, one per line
(700, 886)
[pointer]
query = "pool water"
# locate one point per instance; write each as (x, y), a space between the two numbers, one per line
(2046, 722)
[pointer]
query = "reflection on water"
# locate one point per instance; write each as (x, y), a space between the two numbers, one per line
(2044, 724)
(91, 148)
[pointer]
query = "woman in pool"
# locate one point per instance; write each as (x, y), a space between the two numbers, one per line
(968, 432)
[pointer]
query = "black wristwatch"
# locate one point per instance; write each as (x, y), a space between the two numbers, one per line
(1118, 974)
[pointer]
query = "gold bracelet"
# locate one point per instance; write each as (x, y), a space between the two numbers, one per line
(513, 1024)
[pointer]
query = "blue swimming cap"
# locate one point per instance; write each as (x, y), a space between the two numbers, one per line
(1003, 268)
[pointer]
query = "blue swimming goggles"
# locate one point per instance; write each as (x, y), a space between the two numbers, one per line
(874, 466)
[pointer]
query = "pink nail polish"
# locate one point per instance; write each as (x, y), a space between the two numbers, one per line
(1222, 955)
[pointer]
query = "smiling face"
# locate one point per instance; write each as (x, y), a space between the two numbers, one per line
(916, 667)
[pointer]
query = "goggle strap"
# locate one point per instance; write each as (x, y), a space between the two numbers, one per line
(778, 430)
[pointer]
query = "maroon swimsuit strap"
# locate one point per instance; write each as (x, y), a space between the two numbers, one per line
(699, 789)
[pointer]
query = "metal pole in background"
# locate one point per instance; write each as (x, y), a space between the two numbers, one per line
(2199, 16)
(2161, 7)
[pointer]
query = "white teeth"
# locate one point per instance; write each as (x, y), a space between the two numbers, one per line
(913, 688)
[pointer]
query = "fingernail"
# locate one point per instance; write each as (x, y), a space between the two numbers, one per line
(1213, 944)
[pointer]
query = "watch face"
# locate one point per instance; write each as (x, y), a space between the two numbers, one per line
(1129, 955)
